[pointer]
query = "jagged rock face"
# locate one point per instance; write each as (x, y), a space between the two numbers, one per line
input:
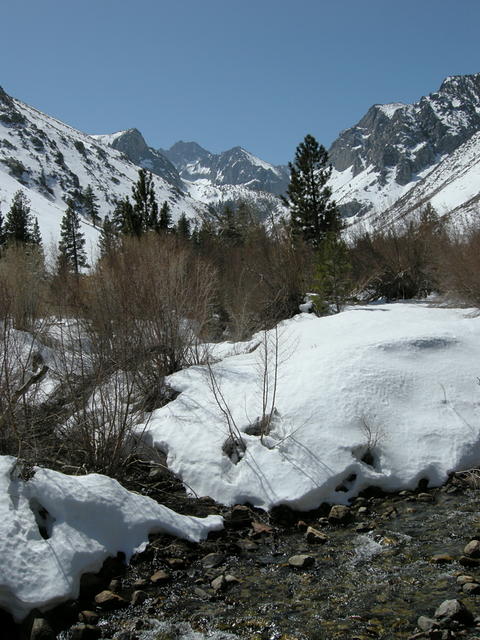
(133, 145)
(233, 167)
(410, 138)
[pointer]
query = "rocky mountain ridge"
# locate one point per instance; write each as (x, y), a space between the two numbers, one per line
(394, 146)
(51, 161)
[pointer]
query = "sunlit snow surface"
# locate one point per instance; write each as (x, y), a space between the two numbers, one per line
(86, 519)
(400, 378)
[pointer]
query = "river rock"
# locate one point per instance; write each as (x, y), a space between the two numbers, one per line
(138, 597)
(463, 579)
(175, 563)
(451, 610)
(314, 536)
(212, 560)
(41, 630)
(425, 497)
(244, 544)
(472, 549)
(472, 588)
(159, 577)
(340, 514)
(110, 601)
(115, 585)
(442, 558)
(88, 617)
(219, 583)
(425, 624)
(85, 632)
(259, 528)
(468, 561)
(301, 561)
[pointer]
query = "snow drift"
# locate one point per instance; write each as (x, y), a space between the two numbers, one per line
(379, 395)
(54, 528)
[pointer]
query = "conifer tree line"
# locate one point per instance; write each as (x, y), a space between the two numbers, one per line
(263, 271)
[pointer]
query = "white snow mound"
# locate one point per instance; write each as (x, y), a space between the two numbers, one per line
(86, 518)
(396, 381)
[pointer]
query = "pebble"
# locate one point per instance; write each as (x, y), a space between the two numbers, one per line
(339, 514)
(85, 632)
(212, 560)
(463, 579)
(451, 610)
(442, 558)
(175, 563)
(41, 630)
(218, 583)
(467, 561)
(425, 497)
(472, 549)
(138, 597)
(246, 545)
(109, 601)
(159, 577)
(472, 588)
(89, 617)
(314, 536)
(425, 624)
(301, 561)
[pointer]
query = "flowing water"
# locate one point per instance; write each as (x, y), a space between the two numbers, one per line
(363, 585)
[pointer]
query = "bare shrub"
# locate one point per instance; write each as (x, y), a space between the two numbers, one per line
(459, 265)
(399, 262)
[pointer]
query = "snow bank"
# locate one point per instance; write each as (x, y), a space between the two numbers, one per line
(397, 381)
(86, 519)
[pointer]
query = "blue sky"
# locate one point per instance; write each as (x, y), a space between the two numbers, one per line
(255, 73)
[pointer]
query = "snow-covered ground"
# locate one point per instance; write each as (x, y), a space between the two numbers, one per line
(397, 380)
(86, 519)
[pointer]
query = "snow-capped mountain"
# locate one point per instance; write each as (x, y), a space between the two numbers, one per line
(233, 167)
(133, 145)
(229, 177)
(396, 148)
(51, 161)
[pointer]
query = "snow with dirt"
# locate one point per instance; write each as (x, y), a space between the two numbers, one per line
(396, 381)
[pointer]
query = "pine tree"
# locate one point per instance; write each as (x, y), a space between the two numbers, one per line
(145, 205)
(183, 227)
(126, 220)
(36, 237)
(108, 240)
(90, 205)
(72, 241)
(2, 229)
(313, 213)
(332, 282)
(18, 225)
(165, 219)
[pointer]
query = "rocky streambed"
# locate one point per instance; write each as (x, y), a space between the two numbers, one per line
(367, 571)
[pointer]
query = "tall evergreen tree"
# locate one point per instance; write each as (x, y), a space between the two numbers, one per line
(90, 205)
(332, 276)
(108, 240)
(165, 219)
(36, 237)
(126, 219)
(2, 229)
(145, 205)
(18, 224)
(313, 213)
(72, 241)
(183, 227)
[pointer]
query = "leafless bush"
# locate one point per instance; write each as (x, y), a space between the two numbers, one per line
(399, 262)
(459, 265)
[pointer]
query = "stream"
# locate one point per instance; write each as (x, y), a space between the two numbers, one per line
(370, 579)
